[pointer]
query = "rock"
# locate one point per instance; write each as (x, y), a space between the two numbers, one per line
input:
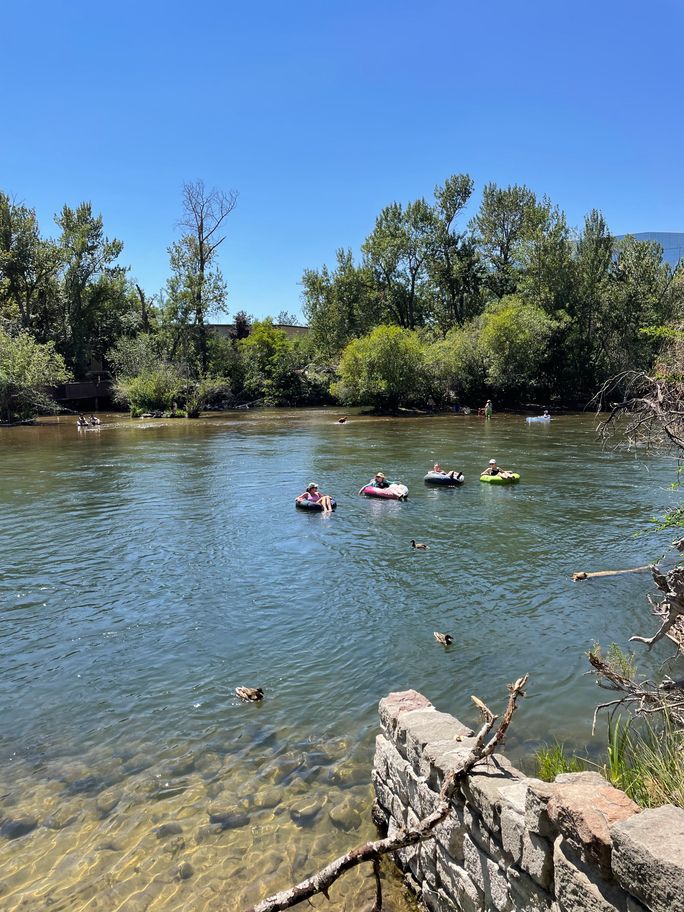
(266, 798)
(579, 887)
(345, 817)
(394, 704)
(304, 815)
(168, 829)
(583, 807)
(14, 827)
(229, 818)
(483, 788)
(184, 871)
(648, 857)
(487, 876)
(347, 775)
(418, 727)
(60, 818)
(106, 802)
(536, 802)
(526, 894)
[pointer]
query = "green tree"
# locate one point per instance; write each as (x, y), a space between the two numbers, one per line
(455, 365)
(29, 268)
(384, 368)
(397, 252)
(95, 297)
(339, 306)
(272, 370)
(582, 342)
(154, 389)
(507, 216)
(27, 370)
(453, 265)
(514, 342)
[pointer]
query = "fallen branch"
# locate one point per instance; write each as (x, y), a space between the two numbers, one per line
(642, 696)
(322, 880)
(582, 575)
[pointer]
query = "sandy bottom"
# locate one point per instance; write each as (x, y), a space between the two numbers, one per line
(202, 831)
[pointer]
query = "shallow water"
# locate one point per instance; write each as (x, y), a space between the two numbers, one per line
(149, 567)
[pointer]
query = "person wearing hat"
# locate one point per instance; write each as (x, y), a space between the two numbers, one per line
(313, 494)
(488, 409)
(379, 481)
(493, 469)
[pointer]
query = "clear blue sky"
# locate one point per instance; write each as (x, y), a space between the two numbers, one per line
(319, 114)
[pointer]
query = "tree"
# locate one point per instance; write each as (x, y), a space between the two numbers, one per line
(94, 292)
(27, 370)
(454, 266)
(582, 344)
(272, 370)
(339, 306)
(455, 365)
(506, 217)
(514, 341)
(384, 368)
(196, 286)
(397, 252)
(29, 268)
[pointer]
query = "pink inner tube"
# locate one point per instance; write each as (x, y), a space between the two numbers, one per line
(390, 493)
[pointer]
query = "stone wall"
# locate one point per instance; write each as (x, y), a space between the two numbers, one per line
(514, 842)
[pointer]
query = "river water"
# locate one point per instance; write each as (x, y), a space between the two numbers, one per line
(150, 567)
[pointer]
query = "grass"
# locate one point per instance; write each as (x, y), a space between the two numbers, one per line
(645, 760)
(552, 759)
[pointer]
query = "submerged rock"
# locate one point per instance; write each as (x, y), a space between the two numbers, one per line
(185, 870)
(305, 814)
(345, 817)
(229, 817)
(168, 829)
(14, 827)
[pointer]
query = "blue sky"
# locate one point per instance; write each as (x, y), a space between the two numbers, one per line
(319, 114)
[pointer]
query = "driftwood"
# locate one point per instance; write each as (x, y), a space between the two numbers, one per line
(670, 609)
(642, 697)
(322, 880)
(582, 575)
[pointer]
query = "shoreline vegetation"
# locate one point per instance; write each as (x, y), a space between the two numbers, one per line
(444, 305)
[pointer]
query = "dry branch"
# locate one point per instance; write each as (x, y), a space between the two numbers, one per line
(582, 575)
(322, 880)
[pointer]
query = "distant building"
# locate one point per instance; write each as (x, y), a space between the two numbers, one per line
(226, 330)
(672, 243)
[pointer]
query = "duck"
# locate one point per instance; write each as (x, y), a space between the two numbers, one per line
(342, 420)
(250, 694)
(445, 639)
(419, 546)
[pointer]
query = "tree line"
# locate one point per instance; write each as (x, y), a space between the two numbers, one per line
(514, 304)
(511, 304)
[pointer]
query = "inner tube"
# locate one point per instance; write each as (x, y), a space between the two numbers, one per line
(497, 479)
(538, 418)
(394, 492)
(310, 505)
(436, 478)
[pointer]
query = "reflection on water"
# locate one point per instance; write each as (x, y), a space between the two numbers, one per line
(150, 567)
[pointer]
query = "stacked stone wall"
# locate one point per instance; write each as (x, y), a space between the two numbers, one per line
(514, 842)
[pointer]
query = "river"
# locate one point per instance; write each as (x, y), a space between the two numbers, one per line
(150, 567)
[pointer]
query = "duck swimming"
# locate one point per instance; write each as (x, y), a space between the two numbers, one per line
(250, 694)
(419, 546)
(445, 639)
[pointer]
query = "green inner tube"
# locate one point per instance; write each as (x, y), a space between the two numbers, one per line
(497, 479)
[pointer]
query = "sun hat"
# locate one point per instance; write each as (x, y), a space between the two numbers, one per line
(312, 484)
(379, 474)
(492, 461)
